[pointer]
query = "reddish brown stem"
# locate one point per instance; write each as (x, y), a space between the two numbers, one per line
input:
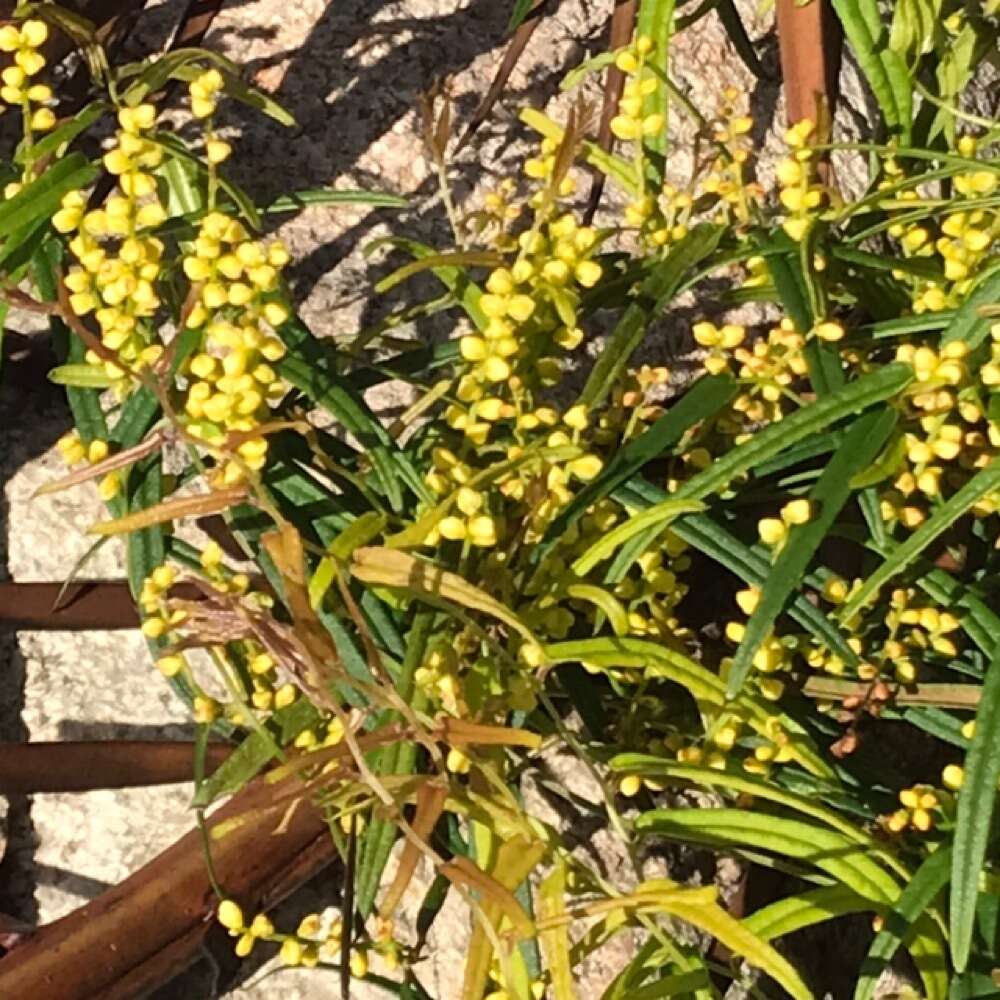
(810, 40)
(622, 27)
(86, 604)
(29, 768)
(139, 934)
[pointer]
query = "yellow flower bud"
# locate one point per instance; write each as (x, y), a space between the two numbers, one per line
(772, 531)
(170, 666)
(230, 915)
(796, 512)
(630, 785)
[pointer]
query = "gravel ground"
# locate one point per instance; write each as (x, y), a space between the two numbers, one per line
(350, 73)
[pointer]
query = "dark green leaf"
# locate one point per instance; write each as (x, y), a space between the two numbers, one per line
(700, 402)
(653, 296)
(41, 198)
(859, 447)
(976, 802)
(917, 897)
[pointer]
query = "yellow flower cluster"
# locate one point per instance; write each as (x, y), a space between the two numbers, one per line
(768, 369)
(962, 243)
(947, 434)
(718, 341)
(231, 382)
(204, 92)
(18, 91)
(918, 807)
(727, 177)
(74, 452)
(306, 947)
(118, 263)
(160, 619)
(632, 122)
(530, 307)
(802, 196)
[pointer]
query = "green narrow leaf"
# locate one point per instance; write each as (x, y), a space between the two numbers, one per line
(333, 196)
(146, 548)
(398, 759)
(917, 897)
(968, 325)
(846, 861)
(654, 518)
(702, 684)
(519, 12)
(555, 941)
(883, 69)
(655, 21)
(305, 366)
(646, 765)
(775, 438)
(700, 402)
(467, 293)
(983, 482)
(654, 294)
(255, 753)
(41, 198)
(976, 802)
(859, 447)
(788, 282)
(805, 909)
(734, 935)
(51, 143)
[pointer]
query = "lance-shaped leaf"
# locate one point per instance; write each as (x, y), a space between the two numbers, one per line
(775, 438)
(703, 685)
(391, 568)
(913, 902)
(656, 518)
(554, 932)
(432, 262)
(976, 803)
(515, 860)
(849, 862)
(786, 916)
(654, 294)
(656, 22)
(42, 197)
(833, 488)
(984, 482)
(766, 791)
(172, 510)
(110, 464)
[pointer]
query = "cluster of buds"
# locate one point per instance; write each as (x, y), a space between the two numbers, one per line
(802, 196)
(232, 381)
(118, 261)
(774, 531)
(18, 90)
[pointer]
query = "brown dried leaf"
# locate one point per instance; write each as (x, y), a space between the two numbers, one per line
(171, 510)
(453, 730)
(120, 460)
(324, 667)
(431, 798)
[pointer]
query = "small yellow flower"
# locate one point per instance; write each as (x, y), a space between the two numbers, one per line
(796, 512)
(230, 915)
(772, 531)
